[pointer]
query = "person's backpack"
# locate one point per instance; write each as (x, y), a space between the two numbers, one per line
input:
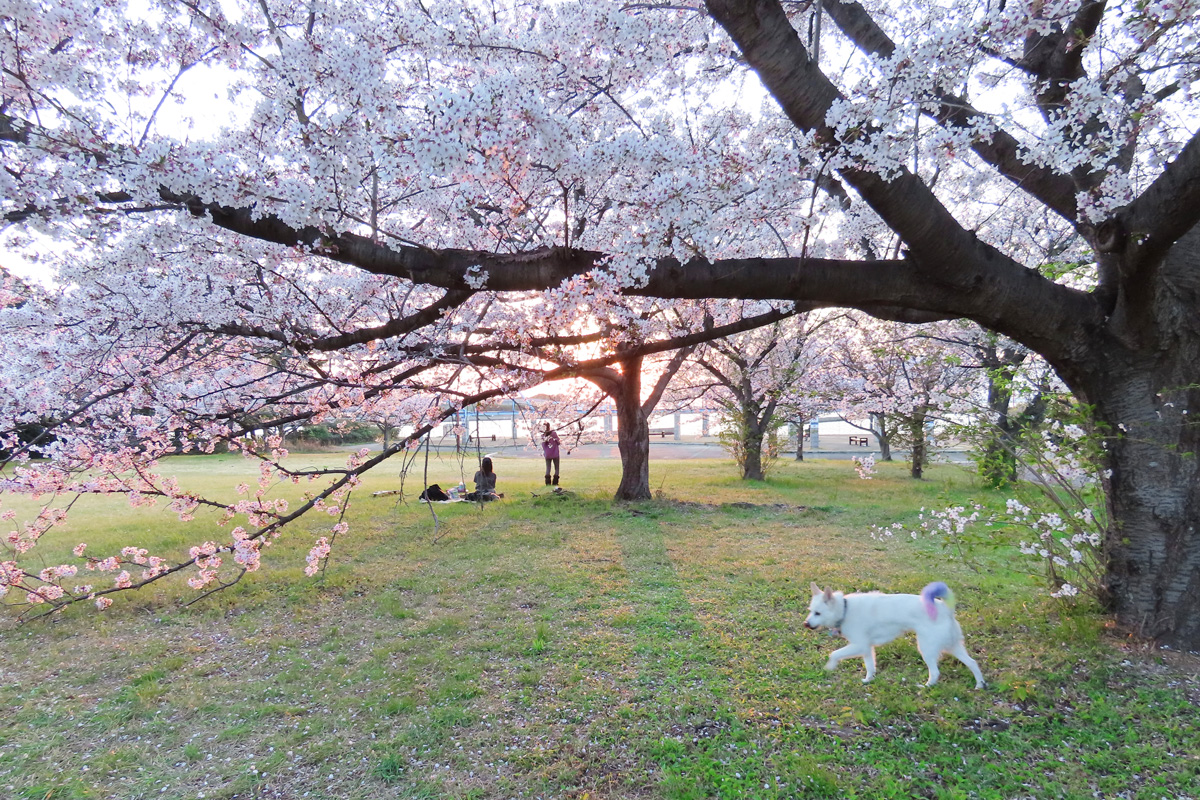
(434, 492)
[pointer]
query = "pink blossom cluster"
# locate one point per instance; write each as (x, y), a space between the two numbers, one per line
(1068, 547)
(246, 550)
(10, 575)
(318, 553)
(27, 536)
(864, 466)
(47, 585)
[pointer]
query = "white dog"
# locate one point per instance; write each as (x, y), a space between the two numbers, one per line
(871, 619)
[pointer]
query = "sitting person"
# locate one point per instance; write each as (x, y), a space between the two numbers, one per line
(434, 492)
(485, 483)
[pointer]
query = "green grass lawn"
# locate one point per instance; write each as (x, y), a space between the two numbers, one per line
(569, 647)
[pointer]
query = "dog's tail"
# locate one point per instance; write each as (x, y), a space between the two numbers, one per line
(932, 592)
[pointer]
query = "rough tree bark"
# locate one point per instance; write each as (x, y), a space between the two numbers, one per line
(918, 456)
(624, 386)
(633, 434)
(1142, 376)
(753, 433)
(879, 427)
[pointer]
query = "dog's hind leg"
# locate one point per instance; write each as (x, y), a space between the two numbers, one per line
(930, 648)
(959, 651)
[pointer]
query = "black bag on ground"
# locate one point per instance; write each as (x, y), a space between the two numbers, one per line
(434, 492)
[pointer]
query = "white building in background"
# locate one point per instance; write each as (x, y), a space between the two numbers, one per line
(516, 424)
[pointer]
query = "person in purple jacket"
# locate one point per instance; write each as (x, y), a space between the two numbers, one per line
(550, 452)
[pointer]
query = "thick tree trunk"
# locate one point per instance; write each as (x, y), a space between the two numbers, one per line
(1143, 380)
(916, 431)
(633, 417)
(752, 450)
(800, 441)
(633, 436)
(633, 442)
(998, 464)
(1154, 501)
(879, 425)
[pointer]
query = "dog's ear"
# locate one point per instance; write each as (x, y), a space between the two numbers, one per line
(816, 589)
(829, 595)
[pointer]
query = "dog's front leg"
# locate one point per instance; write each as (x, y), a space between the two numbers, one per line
(850, 651)
(869, 663)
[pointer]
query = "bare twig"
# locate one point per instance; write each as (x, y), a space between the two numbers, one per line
(425, 491)
(215, 589)
(342, 516)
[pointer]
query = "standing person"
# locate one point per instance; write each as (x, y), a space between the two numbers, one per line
(485, 483)
(550, 452)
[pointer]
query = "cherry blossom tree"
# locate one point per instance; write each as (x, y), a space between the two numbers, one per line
(760, 378)
(905, 378)
(1113, 153)
(1019, 386)
(453, 155)
(644, 338)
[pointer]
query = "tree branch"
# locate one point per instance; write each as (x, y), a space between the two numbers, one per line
(945, 276)
(1057, 58)
(664, 378)
(1168, 209)
(947, 260)
(391, 328)
(1002, 150)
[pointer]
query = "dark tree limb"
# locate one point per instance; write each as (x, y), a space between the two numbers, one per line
(1002, 150)
(1166, 210)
